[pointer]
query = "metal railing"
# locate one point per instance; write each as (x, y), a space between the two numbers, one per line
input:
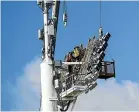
(69, 81)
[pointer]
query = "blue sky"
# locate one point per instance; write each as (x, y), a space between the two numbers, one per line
(20, 44)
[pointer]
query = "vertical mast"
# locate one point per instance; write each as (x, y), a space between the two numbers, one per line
(47, 89)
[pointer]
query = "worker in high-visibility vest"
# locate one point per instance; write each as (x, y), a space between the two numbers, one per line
(76, 53)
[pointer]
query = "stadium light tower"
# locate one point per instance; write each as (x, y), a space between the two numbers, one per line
(60, 85)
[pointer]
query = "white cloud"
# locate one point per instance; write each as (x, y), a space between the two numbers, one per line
(108, 95)
(27, 90)
(111, 95)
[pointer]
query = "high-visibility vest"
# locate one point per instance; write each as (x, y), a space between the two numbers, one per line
(76, 52)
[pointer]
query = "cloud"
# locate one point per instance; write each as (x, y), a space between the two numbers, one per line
(108, 95)
(111, 96)
(26, 92)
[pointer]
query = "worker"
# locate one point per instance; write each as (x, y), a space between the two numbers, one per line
(69, 59)
(70, 68)
(76, 53)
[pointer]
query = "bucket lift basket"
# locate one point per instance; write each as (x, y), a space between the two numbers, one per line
(107, 70)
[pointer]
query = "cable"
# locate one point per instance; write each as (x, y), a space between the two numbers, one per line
(64, 6)
(100, 13)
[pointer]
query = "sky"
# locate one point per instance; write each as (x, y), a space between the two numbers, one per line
(21, 52)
